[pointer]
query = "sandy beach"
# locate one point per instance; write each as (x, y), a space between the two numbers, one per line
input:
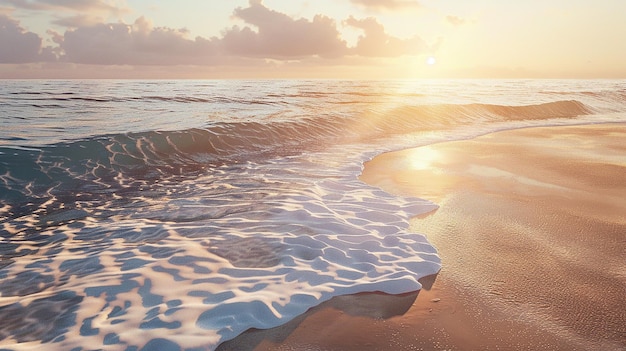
(531, 231)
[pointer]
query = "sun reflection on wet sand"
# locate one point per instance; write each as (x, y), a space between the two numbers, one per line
(530, 232)
(423, 157)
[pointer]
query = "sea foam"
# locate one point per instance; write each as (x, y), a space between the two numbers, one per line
(132, 217)
(226, 256)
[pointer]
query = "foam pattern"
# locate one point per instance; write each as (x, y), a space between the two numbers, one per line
(189, 264)
(175, 215)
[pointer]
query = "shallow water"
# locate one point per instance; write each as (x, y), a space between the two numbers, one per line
(177, 214)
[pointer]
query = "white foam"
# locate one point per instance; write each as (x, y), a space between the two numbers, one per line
(198, 270)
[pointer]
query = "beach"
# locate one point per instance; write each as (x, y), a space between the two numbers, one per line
(272, 175)
(531, 231)
(312, 215)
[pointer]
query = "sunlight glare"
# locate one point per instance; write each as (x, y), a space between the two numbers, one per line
(423, 157)
(431, 61)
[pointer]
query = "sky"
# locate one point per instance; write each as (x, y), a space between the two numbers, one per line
(360, 39)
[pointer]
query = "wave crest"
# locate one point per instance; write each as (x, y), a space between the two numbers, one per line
(158, 153)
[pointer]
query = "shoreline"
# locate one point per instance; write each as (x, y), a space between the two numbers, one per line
(530, 231)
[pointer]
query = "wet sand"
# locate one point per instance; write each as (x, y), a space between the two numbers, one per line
(531, 231)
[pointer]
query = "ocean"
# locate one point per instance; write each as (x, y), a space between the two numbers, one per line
(176, 214)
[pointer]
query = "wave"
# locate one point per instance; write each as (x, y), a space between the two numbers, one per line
(192, 236)
(434, 117)
(158, 153)
(69, 96)
(356, 95)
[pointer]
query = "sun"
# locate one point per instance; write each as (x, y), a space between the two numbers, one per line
(431, 60)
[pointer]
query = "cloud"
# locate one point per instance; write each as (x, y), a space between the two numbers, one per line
(275, 35)
(266, 35)
(17, 45)
(386, 4)
(376, 43)
(69, 5)
(81, 20)
(455, 21)
(83, 13)
(280, 36)
(72, 13)
(137, 44)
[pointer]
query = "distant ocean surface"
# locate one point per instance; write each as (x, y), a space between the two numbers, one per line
(166, 215)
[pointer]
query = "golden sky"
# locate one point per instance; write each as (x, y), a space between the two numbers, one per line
(364, 39)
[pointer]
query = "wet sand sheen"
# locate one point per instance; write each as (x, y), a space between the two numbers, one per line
(532, 235)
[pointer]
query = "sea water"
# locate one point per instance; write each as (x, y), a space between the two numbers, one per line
(166, 215)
